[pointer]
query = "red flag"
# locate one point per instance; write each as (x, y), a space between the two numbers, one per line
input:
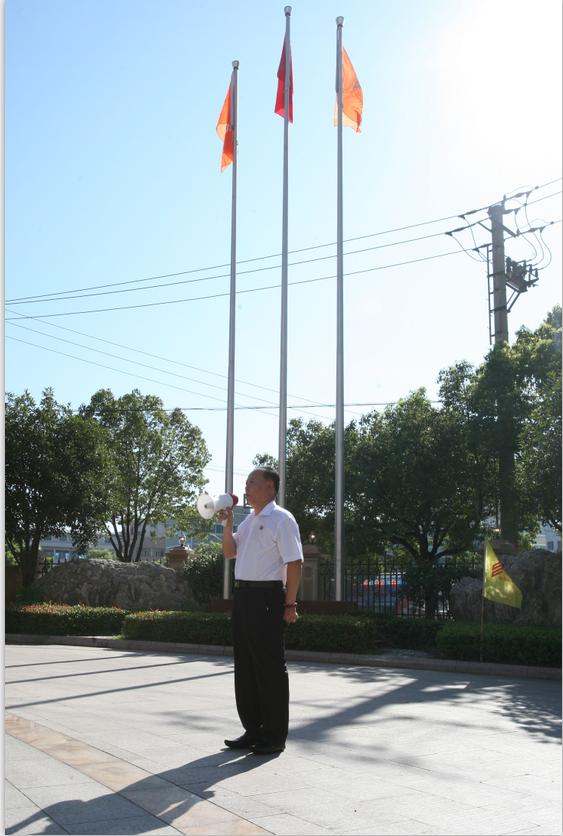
(279, 108)
(352, 96)
(225, 130)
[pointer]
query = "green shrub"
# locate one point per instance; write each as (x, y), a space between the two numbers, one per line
(346, 634)
(64, 620)
(410, 633)
(186, 627)
(332, 633)
(502, 643)
(204, 572)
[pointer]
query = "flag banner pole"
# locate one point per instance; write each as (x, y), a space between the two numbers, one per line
(339, 436)
(282, 437)
(232, 310)
(483, 605)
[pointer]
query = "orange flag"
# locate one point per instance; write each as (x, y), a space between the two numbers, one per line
(280, 97)
(352, 96)
(225, 130)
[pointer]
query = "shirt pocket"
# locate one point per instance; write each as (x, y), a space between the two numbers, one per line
(265, 539)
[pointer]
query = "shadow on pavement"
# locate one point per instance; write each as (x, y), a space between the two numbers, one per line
(162, 798)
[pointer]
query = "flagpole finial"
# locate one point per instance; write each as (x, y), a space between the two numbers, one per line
(339, 21)
(287, 10)
(235, 65)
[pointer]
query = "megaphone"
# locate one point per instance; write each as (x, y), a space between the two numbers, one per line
(208, 505)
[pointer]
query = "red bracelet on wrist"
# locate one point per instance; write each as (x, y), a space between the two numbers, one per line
(287, 606)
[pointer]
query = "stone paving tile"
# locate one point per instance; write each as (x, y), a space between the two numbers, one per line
(237, 828)
(283, 824)
(459, 817)
(243, 805)
(134, 825)
(323, 809)
(198, 813)
(30, 820)
(14, 798)
(405, 827)
(81, 803)
(117, 774)
(41, 773)
(251, 783)
(165, 799)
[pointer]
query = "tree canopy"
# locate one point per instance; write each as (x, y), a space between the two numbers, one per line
(54, 484)
(157, 462)
(429, 480)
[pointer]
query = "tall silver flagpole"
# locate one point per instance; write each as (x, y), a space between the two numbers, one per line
(232, 310)
(339, 451)
(282, 449)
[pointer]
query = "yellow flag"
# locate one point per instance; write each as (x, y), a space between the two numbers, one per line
(498, 586)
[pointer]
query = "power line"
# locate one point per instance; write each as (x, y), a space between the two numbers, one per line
(46, 297)
(21, 299)
(242, 261)
(171, 385)
(307, 401)
(289, 406)
(151, 380)
(239, 292)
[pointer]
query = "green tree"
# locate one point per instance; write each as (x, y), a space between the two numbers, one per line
(538, 462)
(157, 465)
(512, 405)
(415, 482)
(56, 466)
(310, 477)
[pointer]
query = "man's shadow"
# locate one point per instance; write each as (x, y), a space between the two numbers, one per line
(149, 803)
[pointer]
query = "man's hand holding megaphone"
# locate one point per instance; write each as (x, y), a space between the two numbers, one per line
(208, 506)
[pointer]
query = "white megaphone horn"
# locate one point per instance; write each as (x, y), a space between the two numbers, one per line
(208, 505)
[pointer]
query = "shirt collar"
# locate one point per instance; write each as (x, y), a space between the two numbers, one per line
(267, 509)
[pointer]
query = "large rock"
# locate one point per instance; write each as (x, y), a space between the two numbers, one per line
(110, 583)
(537, 573)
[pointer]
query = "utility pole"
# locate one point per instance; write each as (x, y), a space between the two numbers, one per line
(499, 275)
(505, 417)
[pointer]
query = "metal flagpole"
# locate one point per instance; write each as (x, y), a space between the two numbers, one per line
(339, 452)
(232, 310)
(282, 454)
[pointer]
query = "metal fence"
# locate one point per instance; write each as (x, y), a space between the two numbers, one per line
(379, 584)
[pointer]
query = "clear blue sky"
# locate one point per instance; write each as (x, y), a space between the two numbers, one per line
(112, 175)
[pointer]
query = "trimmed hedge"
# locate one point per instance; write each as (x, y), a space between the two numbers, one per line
(332, 633)
(64, 620)
(344, 634)
(409, 633)
(502, 643)
(362, 633)
(185, 627)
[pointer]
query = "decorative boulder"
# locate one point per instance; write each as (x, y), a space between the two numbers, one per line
(538, 575)
(110, 583)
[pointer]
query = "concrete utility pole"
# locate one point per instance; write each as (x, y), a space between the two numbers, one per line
(499, 274)
(507, 441)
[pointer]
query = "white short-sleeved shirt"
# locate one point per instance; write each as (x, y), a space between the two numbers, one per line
(265, 543)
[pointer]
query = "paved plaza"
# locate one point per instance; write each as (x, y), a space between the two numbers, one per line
(107, 741)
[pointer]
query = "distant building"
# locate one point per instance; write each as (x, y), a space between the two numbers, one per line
(549, 539)
(157, 542)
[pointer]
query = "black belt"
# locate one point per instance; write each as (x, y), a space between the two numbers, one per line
(258, 584)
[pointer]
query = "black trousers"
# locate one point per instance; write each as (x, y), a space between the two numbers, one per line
(261, 680)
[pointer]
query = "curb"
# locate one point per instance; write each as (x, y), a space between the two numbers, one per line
(374, 661)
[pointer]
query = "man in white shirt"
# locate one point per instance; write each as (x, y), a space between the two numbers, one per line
(268, 552)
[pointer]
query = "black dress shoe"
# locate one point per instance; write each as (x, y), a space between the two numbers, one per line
(267, 748)
(245, 741)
